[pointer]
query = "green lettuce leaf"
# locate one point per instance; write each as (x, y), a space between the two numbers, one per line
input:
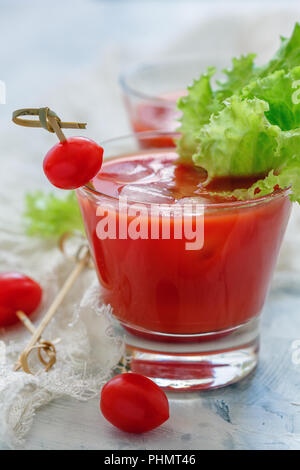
(47, 215)
(239, 141)
(288, 174)
(249, 124)
(196, 108)
(202, 102)
(287, 56)
(278, 90)
(242, 70)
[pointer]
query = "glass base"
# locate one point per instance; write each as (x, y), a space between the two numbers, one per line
(194, 362)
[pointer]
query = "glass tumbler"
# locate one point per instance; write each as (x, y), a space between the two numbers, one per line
(190, 313)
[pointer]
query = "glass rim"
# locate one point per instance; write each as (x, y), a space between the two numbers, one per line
(133, 69)
(159, 101)
(214, 205)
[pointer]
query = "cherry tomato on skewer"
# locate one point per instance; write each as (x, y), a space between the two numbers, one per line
(17, 292)
(134, 403)
(73, 163)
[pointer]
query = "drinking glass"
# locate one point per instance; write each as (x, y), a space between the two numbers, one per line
(190, 314)
(151, 91)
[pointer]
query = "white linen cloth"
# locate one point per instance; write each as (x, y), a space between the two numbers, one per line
(89, 350)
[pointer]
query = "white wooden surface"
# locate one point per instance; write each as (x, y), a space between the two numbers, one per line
(262, 412)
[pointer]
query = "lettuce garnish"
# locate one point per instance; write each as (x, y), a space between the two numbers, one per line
(249, 124)
(47, 215)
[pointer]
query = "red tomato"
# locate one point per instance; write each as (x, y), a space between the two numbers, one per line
(73, 163)
(17, 292)
(134, 403)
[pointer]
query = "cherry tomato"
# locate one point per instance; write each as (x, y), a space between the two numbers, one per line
(17, 292)
(134, 403)
(73, 163)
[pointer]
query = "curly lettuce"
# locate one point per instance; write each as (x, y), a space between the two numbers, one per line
(47, 215)
(242, 70)
(240, 129)
(197, 108)
(249, 124)
(278, 90)
(287, 56)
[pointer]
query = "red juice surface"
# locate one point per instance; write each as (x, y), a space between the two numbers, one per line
(158, 285)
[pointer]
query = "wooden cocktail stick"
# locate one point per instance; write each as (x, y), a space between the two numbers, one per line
(23, 359)
(52, 123)
(46, 346)
(26, 322)
(57, 129)
(31, 328)
(44, 115)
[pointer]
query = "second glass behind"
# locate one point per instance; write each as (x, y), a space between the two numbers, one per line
(152, 90)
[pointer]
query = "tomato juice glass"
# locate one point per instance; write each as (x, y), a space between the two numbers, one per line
(151, 91)
(186, 273)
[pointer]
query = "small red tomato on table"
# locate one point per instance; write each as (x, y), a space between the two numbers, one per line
(17, 292)
(134, 403)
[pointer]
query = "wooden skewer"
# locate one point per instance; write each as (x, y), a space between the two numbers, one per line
(81, 264)
(54, 124)
(31, 328)
(26, 322)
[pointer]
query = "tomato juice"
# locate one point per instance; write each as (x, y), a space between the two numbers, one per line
(159, 286)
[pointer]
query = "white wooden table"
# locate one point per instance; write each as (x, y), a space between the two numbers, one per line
(261, 412)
